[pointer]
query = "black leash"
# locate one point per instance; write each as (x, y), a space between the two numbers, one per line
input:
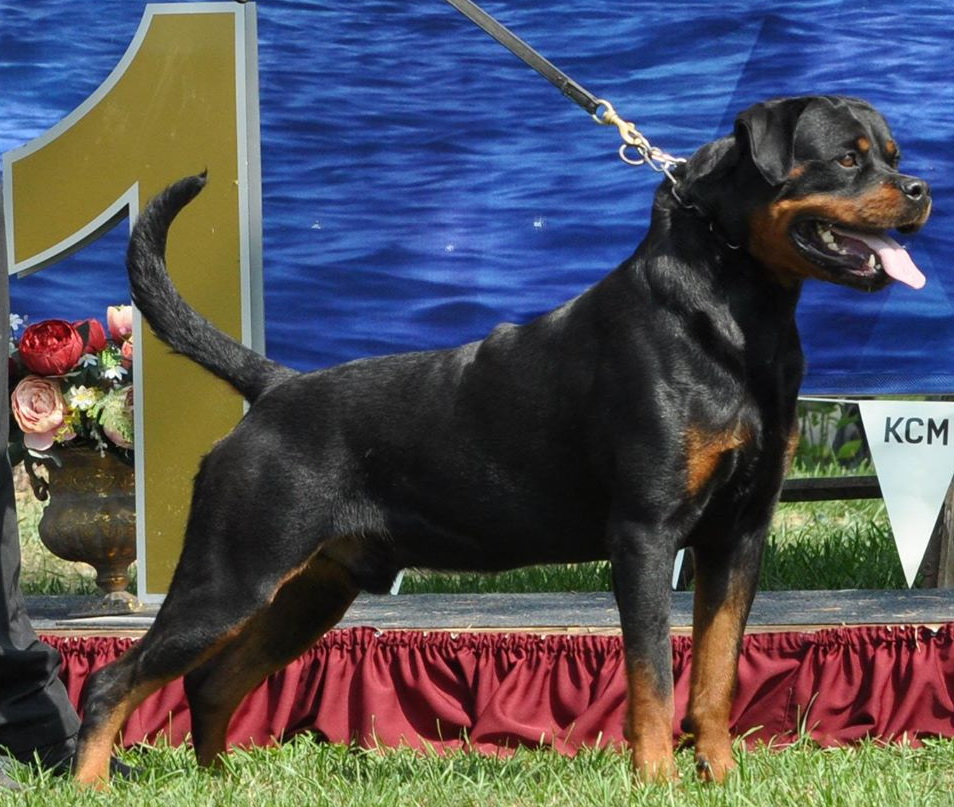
(601, 110)
(528, 55)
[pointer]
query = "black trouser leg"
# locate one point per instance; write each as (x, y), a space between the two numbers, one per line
(35, 710)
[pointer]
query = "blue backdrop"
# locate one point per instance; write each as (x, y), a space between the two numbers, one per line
(421, 184)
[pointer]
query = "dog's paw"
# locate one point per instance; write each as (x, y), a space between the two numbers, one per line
(714, 767)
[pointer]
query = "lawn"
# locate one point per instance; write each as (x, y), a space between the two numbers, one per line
(306, 772)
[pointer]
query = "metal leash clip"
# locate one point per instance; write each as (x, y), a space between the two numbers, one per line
(634, 140)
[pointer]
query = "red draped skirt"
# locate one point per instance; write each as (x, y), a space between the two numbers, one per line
(490, 690)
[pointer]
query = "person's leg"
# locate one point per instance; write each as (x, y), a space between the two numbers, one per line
(36, 716)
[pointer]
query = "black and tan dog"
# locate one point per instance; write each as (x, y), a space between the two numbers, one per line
(653, 412)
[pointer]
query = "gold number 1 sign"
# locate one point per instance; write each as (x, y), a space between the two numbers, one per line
(183, 98)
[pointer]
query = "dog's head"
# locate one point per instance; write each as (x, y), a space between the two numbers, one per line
(819, 186)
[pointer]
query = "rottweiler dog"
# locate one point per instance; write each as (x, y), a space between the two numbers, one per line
(653, 412)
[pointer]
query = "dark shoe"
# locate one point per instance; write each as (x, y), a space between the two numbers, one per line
(56, 757)
(120, 770)
(8, 783)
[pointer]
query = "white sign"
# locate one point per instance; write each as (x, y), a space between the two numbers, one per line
(912, 445)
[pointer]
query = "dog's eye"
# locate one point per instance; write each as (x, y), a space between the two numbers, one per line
(848, 160)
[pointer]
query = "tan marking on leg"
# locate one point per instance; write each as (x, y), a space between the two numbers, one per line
(716, 639)
(649, 726)
(96, 750)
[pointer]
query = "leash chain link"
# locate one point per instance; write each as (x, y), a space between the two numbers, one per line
(648, 154)
(633, 139)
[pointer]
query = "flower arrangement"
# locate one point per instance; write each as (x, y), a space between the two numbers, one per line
(71, 383)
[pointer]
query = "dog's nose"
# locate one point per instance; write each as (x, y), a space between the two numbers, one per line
(917, 190)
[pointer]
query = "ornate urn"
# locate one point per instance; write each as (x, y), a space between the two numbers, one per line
(91, 517)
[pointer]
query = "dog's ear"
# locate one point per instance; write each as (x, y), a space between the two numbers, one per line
(767, 130)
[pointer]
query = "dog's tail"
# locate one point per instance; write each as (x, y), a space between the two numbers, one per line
(172, 319)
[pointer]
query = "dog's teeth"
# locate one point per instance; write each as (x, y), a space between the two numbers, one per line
(872, 262)
(828, 238)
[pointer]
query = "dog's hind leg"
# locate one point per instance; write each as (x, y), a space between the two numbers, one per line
(113, 692)
(232, 654)
(307, 605)
(105, 716)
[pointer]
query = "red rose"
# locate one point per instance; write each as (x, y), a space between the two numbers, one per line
(93, 334)
(51, 347)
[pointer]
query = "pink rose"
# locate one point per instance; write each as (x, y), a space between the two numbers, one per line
(93, 335)
(119, 319)
(39, 409)
(127, 352)
(51, 347)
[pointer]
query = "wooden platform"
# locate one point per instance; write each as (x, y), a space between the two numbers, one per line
(552, 613)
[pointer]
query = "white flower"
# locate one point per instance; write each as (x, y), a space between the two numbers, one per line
(88, 360)
(16, 322)
(82, 398)
(116, 373)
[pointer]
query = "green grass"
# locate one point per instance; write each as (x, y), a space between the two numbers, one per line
(826, 552)
(304, 772)
(557, 577)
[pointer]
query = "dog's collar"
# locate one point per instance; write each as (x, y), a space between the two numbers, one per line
(686, 204)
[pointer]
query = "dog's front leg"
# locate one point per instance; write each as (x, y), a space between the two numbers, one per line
(725, 582)
(642, 570)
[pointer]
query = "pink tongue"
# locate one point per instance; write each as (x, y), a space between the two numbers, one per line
(893, 257)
